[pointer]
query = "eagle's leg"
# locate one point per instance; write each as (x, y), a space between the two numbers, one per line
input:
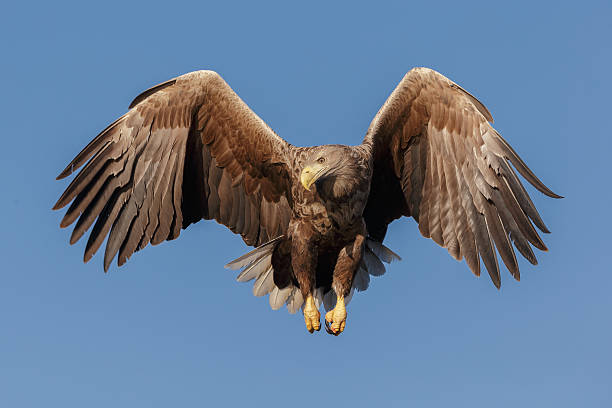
(344, 272)
(304, 263)
(312, 317)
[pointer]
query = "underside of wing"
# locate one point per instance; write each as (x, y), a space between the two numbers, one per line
(438, 159)
(188, 149)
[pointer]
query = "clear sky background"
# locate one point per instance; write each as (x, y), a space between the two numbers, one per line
(173, 328)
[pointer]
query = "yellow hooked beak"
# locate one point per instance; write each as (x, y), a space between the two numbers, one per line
(311, 174)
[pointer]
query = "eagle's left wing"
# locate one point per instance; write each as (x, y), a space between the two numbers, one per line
(438, 159)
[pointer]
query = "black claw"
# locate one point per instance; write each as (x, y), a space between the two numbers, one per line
(329, 330)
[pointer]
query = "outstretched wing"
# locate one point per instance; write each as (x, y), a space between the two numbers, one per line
(187, 149)
(438, 159)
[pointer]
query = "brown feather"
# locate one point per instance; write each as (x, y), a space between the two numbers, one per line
(97, 144)
(147, 177)
(470, 200)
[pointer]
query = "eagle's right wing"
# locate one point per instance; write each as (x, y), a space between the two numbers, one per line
(187, 149)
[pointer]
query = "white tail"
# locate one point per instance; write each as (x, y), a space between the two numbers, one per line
(257, 265)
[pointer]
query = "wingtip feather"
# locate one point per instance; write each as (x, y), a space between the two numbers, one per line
(57, 205)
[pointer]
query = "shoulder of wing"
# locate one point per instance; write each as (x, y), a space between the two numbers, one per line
(195, 81)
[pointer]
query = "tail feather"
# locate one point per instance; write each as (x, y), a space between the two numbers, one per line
(278, 297)
(361, 281)
(264, 283)
(385, 254)
(329, 300)
(295, 300)
(254, 255)
(255, 269)
(257, 264)
(372, 263)
(318, 297)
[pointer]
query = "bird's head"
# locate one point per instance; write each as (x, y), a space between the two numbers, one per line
(327, 162)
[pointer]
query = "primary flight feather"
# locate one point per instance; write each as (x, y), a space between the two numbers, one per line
(191, 149)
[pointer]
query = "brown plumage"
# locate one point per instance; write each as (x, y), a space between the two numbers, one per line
(190, 149)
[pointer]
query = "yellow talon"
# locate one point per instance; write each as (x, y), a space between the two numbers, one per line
(311, 315)
(337, 316)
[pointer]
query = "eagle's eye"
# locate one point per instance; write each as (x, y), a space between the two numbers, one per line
(321, 160)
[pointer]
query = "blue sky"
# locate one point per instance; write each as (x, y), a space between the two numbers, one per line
(173, 328)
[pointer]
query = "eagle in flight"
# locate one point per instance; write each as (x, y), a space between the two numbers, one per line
(191, 149)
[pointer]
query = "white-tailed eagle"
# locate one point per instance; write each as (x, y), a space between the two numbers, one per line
(191, 149)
